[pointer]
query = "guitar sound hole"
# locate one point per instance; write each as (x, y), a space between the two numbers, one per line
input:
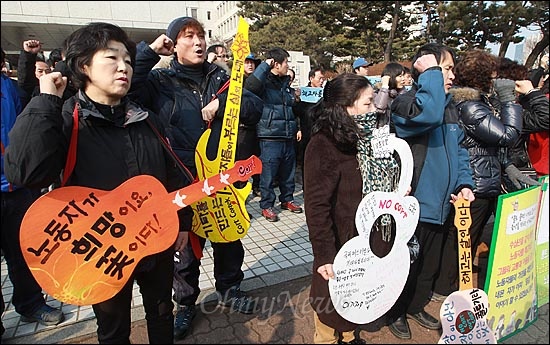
(382, 235)
(465, 322)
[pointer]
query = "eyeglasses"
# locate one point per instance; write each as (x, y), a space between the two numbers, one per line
(223, 56)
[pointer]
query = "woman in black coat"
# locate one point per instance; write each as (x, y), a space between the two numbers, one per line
(332, 193)
(116, 141)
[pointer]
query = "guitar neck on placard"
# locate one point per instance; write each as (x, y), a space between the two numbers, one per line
(241, 171)
(463, 313)
(240, 49)
(463, 221)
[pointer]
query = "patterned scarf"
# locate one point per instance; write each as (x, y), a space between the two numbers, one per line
(379, 174)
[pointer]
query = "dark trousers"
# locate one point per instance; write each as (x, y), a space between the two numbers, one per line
(423, 271)
(228, 260)
(300, 154)
(248, 145)
(27, 294)
(155, 285)
(481, 210)
(278, 161)
(256, 182)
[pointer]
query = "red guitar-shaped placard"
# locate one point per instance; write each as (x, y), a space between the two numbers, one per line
(463, 312)
(82, 244)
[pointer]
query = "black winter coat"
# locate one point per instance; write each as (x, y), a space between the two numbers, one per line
(178, 101)
(535, 119)
(487, 132)
(277, 120)
(109, 151)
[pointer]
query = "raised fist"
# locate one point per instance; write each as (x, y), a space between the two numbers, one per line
(32, 46)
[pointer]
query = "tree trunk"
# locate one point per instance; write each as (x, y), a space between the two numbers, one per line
(537, 50)
(395, 21)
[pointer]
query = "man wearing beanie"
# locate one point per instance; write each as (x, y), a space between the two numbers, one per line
(185, 96)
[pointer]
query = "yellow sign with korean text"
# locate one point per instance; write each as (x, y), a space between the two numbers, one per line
(542, 245)
(223, 217)
(511, 274)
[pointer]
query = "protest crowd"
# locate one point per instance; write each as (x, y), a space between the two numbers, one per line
(476, 126)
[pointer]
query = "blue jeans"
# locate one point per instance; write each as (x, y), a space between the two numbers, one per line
(278, 160)
(27, 294)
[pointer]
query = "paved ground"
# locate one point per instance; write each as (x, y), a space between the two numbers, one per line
(284, 317)
(277, 273)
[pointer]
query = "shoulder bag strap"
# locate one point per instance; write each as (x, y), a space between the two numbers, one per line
(166, 146)
(71, 155)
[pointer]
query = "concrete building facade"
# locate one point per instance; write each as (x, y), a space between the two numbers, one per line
(52, 21)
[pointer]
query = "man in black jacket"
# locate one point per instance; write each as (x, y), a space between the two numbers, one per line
(301, 110)
(31, 66)
(189, 98)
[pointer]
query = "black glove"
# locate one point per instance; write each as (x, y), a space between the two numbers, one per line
(516, 176)
(505, 89)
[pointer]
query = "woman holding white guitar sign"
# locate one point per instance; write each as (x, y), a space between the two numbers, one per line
(332, 193)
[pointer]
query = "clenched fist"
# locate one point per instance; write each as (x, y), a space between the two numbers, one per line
(53, 83)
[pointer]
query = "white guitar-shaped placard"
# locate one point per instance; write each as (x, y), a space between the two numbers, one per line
(365, 286)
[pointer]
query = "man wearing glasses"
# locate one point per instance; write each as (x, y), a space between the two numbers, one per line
(217, 54)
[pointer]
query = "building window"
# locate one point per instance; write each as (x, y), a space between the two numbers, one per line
(208, 15)
(194, 13)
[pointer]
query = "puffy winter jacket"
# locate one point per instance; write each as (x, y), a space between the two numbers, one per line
(277, 121)
(487, 132)
(535, 120)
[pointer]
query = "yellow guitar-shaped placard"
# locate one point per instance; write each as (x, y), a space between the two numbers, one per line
(223, 217)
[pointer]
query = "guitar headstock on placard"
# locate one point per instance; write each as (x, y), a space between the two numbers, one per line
(463, 312)
(241, 46)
